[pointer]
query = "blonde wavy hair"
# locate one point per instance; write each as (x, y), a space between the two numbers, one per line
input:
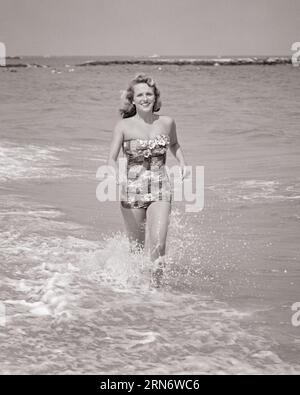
(127, 108)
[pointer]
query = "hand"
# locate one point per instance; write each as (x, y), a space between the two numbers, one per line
(120, 179)
(185, 172)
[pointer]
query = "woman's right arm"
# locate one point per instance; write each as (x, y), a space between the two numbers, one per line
(115, 146)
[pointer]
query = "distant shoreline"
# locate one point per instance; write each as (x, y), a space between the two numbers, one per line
(159, 61)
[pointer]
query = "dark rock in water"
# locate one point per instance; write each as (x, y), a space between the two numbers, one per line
(16, 65)
(27, 65)
(14, 57)
(196, 62)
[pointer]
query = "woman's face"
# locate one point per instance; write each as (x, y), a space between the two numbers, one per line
(143, 97)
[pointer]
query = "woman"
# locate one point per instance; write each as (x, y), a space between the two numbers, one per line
(145, 137)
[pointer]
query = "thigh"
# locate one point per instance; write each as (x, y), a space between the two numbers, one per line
(135, 219)
(158, 218)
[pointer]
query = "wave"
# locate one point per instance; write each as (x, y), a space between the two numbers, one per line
(249, 133)
(31, 161)
(257, 191)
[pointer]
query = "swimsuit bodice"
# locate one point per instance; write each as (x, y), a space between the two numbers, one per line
(139, 150)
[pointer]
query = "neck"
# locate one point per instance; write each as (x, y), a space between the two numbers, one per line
(145, 117)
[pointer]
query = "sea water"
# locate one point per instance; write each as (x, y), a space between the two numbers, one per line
(75, 300)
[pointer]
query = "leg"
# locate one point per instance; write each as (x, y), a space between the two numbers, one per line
(158, 221)
(135, 219)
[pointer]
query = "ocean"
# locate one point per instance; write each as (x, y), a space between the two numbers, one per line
(72, 298)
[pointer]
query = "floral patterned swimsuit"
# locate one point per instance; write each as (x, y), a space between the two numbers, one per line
(147, 178)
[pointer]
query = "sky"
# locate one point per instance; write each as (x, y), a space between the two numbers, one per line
(147, 27)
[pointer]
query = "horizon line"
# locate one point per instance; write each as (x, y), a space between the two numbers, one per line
(154, 56)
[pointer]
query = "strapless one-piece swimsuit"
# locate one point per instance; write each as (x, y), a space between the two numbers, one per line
(147, 177)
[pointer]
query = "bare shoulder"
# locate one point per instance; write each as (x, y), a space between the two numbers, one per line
(120, 124)
(127, 121)
(168, 121)
(168, 124)
(120, 127)
(126, 125)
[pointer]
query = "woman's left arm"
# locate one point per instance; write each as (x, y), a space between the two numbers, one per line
(176, 150)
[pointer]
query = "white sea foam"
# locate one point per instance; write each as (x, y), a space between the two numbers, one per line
(30, 161)
(37, 162)
(74, 288)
